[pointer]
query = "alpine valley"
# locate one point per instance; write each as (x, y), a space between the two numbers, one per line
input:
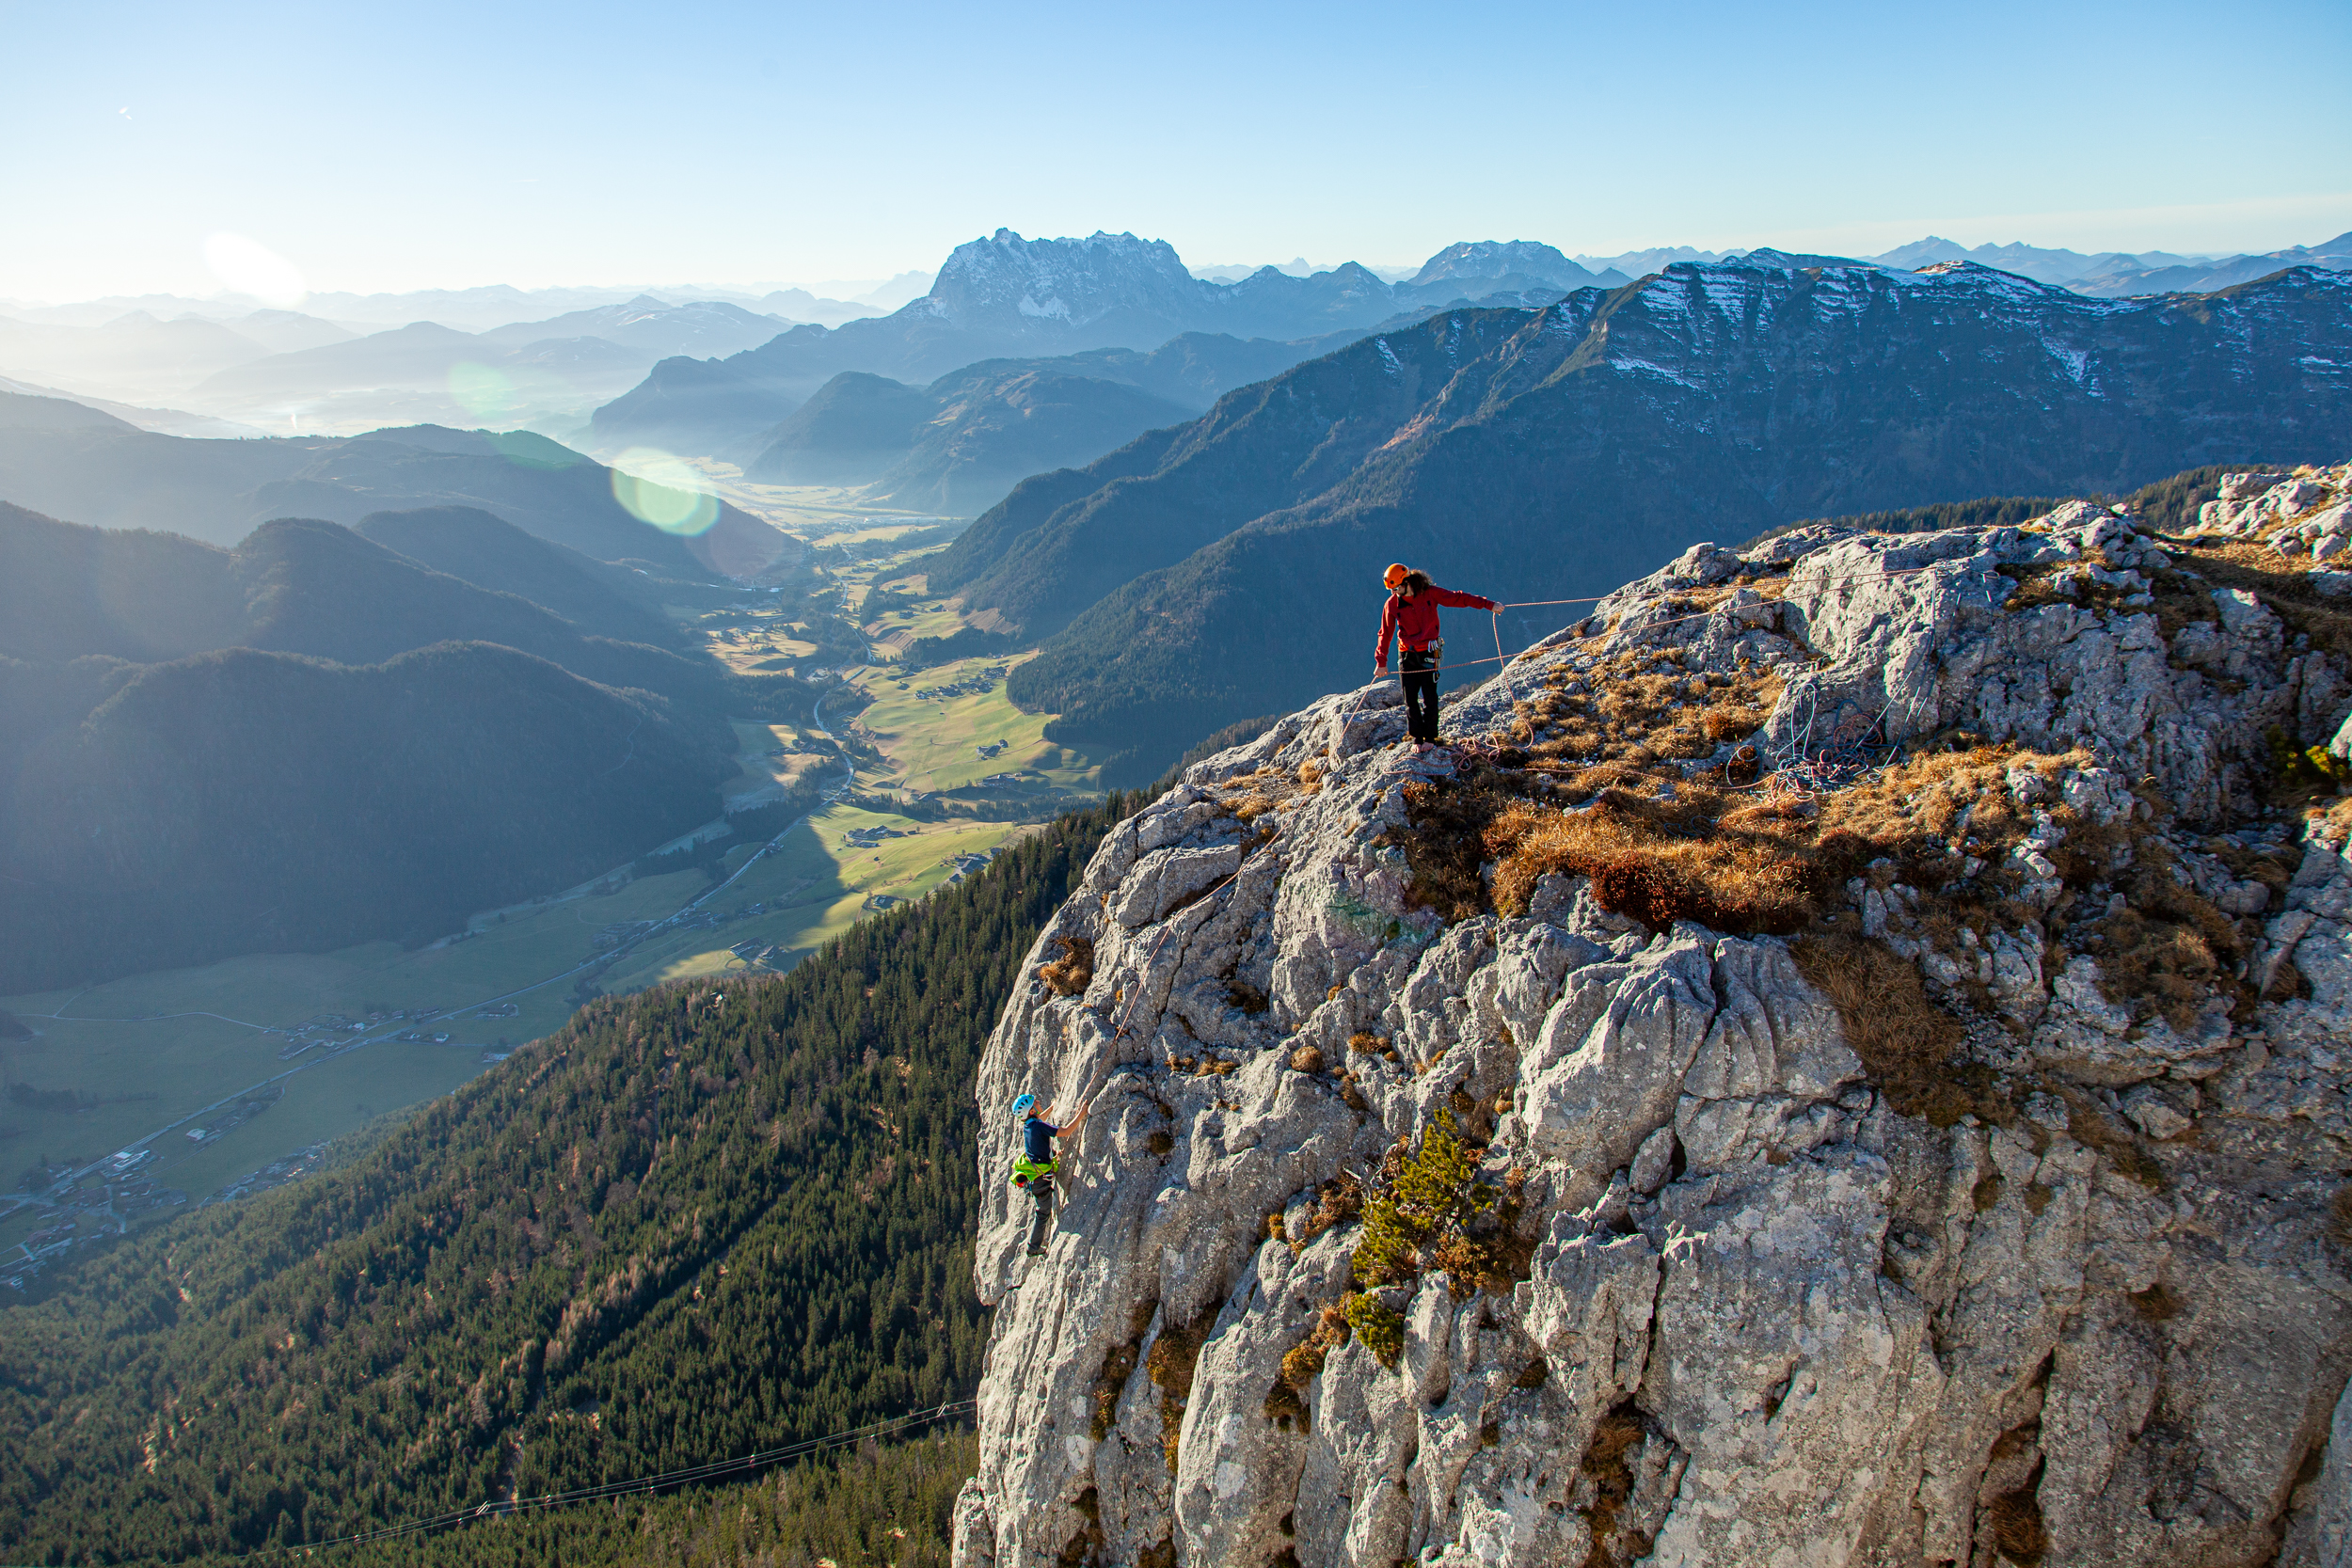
(1840, 1061)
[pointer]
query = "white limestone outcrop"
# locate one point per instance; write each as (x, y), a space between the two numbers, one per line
(1764, 1318)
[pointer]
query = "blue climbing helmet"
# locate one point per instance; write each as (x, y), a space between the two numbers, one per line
(1023, 1105)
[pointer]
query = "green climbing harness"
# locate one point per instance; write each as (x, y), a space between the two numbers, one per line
(1025, 1170)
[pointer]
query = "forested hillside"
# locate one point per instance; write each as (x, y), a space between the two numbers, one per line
(219, 490)
(238, 801)
(314, 740)
(705, 1220)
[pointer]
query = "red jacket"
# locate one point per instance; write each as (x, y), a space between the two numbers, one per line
(1414, 622)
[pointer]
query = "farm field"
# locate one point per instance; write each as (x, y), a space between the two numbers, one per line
(935, 742)
(764, 774)
(152, 1048)
(812, 887)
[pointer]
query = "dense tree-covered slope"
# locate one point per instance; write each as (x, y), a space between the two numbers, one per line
(1231, 566)
(312, 739)
(891, 1502)
(238, 801)
(466, 542)
(696, 1222)
(294, 585)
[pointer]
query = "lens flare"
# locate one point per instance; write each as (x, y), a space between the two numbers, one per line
(482, 393)
(251, 268)
(664, 490)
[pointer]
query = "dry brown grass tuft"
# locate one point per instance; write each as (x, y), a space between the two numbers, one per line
(1307, 1058)
(2015, 1521)
(1071, 974)
(1906, 1043)
(1658, 862)
(1337, 1202)
(1174, 1354)
(2170, 948)
(1304, 1362)
(1640, 705)
(2339, 1217)
(1612, 1485)
(1268, 789)
(1117, 1367)
(1737, 860)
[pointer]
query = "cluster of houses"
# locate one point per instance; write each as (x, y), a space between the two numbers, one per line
(235, 1114)
(971, 686)
(292, 1167)
(968, 863)
(124, 1193)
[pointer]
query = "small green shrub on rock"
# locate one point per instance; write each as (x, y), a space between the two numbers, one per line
(1381, 1330)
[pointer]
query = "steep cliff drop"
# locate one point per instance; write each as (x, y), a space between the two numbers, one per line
(1847, 1065)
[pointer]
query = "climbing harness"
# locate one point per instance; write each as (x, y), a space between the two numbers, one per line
(1025, 1170)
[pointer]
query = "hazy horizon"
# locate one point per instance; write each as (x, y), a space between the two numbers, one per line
(759, 142)
(861, 290)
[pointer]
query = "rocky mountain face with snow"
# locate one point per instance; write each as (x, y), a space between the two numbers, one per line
(1222, 569)
(1480, 260)
(1845, 1065)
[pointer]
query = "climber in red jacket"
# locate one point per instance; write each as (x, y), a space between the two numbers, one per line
(1410, 617)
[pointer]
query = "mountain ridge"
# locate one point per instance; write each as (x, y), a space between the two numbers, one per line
(1006, 297)
(1715, 400)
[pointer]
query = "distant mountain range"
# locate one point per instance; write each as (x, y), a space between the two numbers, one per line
(479, 309)
(707, 371)
(61, 463)
(291, 373)
(1227, 566)
(1006, 296)
(2105, 275)
(960, 444)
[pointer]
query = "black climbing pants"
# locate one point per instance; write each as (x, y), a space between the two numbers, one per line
(1041, 1194)
(1420, 693)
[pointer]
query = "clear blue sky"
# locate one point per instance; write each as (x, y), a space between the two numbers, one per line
(436, 145)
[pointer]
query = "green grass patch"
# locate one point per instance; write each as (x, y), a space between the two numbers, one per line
(149, 1049)
(816, 885)
(933, 743)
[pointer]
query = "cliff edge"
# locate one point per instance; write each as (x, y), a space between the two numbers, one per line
(1843, 1064)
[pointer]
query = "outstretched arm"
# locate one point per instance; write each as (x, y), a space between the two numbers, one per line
(1452, 600)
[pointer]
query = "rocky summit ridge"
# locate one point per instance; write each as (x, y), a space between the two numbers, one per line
(1844, 1063)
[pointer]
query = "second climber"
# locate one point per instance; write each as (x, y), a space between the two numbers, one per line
(1410, 617)
(1034, 1166)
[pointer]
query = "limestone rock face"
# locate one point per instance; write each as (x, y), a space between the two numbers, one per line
(1748, 1309)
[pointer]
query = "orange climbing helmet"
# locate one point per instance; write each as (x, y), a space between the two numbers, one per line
(1394, 576)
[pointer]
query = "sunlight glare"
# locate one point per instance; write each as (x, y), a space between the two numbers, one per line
(250, 267)
(664, 490)
(481, 392)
